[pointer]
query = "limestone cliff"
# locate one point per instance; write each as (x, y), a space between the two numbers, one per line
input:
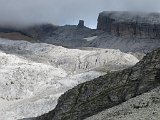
(130, 24)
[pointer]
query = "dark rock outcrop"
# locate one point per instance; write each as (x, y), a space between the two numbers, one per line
(35, 32)
(107, 91)
(39, 32)
(80, 24)
(130, 24)
(72, 36)
(14, 34)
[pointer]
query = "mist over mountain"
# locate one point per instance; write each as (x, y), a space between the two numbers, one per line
(18, 13)
(106, 67)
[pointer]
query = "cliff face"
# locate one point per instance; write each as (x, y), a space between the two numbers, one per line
(130, 24)
(107, 91)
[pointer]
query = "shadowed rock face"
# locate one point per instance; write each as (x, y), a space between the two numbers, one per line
(36, 32)
(107, 91)
(40, 32)
(130, 24)
(81, 24)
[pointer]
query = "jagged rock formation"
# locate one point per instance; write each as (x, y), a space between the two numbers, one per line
(107, 91)
(130, 24)
(81, 24)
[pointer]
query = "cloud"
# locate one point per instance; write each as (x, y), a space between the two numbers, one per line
(27, 12)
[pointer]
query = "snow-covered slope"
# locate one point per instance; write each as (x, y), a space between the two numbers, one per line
(71, 60)
(34, 75)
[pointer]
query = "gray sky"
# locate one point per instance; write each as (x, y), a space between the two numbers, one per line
(60, 12)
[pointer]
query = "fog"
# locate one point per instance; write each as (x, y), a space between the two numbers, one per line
(18, 13)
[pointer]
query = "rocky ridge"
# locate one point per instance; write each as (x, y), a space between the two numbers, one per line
(143, 107)
(107, 91)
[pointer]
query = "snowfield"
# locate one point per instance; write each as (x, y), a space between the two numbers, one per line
(34, 75)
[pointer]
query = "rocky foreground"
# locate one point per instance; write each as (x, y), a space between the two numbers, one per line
(109, 90)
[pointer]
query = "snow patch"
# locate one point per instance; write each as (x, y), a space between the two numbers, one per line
(91, 38)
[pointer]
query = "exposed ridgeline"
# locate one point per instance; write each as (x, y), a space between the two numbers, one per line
(130, 24)
(131, 32)
(67, 35)
(30, 33)
(107, 91)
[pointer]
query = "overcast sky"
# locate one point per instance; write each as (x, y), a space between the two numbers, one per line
(60, 12)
